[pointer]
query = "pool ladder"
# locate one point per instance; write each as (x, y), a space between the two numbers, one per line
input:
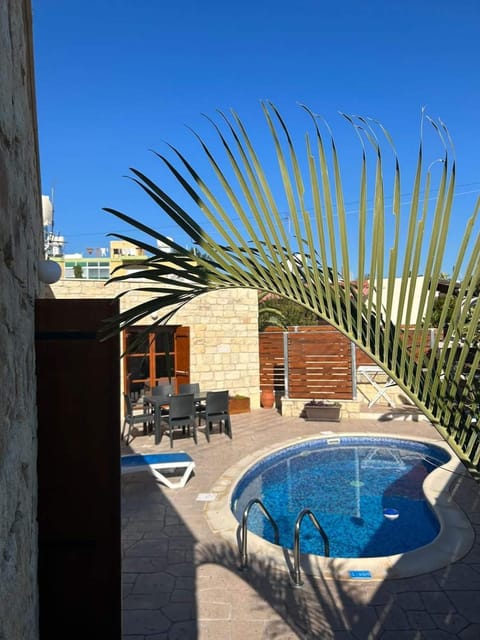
(297, 580)
(243, 551)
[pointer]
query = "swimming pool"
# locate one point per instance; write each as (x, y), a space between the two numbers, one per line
(453, 541)
(366, 493)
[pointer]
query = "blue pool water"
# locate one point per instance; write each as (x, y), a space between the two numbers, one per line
(365, 492)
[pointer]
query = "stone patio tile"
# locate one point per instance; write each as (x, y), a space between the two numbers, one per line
(252, 607)
(435, 602)
(424, 582)
(178, 531)
(459, 575)
(145, 623)
(381, 596)
(149, 512)
(173, 520)
(473, 555)
(182, 569)
(140, 601)
(136, 530)
(410, 601)
(214, 594)
(354, 618)
(180, 556)
(136, 564)
(437, 634)
(209, 575)
(213, 630)
(149, 548)
(452, 622)
(472, 632)
(215, 611)
(154, 582)
(180, 542)
(185, 582)
(364, 592)
(420, 620)
(183, 631)
(137, 520)
(392, 617)
(466, 603)
(180, 612)
(400, 635)
(241, 630)
(280, 630)
(183, 595)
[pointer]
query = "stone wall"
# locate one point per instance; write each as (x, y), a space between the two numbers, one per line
(224, 351)
(21, 243)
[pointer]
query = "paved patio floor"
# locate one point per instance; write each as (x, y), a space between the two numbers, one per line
(181, 581)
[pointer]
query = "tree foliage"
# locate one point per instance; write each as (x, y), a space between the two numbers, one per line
(280, 312)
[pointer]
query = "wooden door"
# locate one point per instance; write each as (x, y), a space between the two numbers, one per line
(137, 362)
(78, 383)
(161, 354)
(182, 355)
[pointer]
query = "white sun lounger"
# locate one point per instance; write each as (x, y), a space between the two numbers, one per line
(158, 462)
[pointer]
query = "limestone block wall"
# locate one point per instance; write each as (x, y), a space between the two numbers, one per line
(224, 351)
(21, 246)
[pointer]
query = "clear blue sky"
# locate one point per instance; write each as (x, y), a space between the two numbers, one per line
(117, 78)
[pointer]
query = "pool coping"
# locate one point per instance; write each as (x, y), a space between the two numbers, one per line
(453, 542)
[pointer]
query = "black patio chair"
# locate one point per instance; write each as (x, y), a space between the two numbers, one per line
(181, 413)
(216, 412)
(193, 387)
(163, 389)
(189, 387)
(131, 418)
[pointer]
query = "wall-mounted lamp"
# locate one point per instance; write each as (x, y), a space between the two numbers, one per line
(49, 271)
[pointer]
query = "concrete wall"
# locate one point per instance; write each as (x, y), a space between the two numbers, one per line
(20, 251)
(418, 310)
(224, 352)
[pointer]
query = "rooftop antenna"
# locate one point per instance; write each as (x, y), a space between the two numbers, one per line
(53, 244)
(52, 194)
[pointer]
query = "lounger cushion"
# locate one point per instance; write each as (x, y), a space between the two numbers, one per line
(156, 462)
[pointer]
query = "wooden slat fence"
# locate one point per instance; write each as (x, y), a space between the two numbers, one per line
(272, 361)
(320, 362)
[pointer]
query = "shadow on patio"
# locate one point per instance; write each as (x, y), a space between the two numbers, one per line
(181, 581)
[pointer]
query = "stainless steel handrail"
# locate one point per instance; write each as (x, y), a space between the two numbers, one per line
(243, 553)
(297, 581)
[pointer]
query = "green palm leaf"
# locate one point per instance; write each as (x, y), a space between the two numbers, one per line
(253, 248)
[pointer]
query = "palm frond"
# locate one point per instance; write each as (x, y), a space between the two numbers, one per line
(251, 247)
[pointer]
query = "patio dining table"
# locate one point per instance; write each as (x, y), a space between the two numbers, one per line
(157, 402)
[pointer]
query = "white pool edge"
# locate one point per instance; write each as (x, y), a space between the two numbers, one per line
(453, 542)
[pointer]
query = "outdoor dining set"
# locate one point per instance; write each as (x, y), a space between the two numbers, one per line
(163, 410)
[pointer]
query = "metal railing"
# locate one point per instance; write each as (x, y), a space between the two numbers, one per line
(243, 553)
(297, 581)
